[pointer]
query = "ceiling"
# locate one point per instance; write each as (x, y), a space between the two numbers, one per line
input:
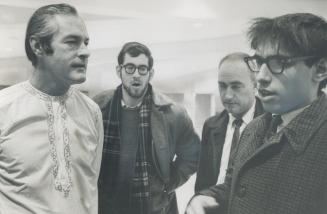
(114, 21)
(187, 37)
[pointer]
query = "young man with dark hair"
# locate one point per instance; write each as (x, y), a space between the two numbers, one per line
(50, 133)
(281, 166)
(150, 146)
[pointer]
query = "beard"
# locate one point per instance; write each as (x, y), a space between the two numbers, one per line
(135, 92)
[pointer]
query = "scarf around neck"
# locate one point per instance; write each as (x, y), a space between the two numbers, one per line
(108, 180)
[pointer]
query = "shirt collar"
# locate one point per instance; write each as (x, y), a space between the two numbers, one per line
(300, 129)
(124, 105)
(289, 116)
(31, 89)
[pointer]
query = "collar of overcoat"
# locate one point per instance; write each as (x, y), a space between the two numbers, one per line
(298, 132)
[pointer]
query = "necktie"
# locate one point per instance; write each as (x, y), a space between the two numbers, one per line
(237, 123)
(274, 123)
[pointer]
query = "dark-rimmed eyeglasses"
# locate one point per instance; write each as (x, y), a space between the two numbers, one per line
(131, 68)
(276, 63)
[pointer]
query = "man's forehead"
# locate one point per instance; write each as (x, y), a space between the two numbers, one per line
(233, 75)
(234, 72)
(233, 63)
(140, 58)
(230, 81)
(69, 25)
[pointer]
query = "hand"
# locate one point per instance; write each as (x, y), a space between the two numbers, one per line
(200, 203)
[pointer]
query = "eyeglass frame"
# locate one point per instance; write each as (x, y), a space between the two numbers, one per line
(136, 67)
(285, 61)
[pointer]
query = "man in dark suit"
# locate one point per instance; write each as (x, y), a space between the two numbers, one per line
(237, 93)
(281, 164)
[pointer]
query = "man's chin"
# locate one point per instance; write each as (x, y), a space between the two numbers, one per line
(234, 111)
(78, 80)
(136, 93)
(231, 108)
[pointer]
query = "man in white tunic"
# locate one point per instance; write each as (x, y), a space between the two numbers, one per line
(50, 133)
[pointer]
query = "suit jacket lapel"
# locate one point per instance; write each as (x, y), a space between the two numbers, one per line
(258, 108)
(159, 132)
(217, 139)
(219, 135)
(303, 126)
(251, 141)
(298, 132)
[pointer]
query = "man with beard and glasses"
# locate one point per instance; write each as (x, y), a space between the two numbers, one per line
(51, 134)
(150, 146)
(281, 164)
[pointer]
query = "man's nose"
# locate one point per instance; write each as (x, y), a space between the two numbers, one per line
(229, 93)
(263, 76)
(84, 51)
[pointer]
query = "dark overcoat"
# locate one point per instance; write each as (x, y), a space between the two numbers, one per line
(212, 143)
(174, 153)
(286, 174)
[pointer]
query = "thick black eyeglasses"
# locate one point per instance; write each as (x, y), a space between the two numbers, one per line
(131, 68)
(275, 63)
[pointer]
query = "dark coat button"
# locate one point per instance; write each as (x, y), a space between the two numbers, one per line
(229, 170)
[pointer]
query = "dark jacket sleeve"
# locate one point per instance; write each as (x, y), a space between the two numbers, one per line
(220, 192)
(187, 151)
(204, 158)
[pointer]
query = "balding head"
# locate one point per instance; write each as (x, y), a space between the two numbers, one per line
(236, 84)
(237, 57)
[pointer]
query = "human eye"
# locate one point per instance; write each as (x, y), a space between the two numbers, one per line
(257, 60)
(71, 41)
(129, 68)
(143, 68)
(236, 86)
(86, 42)
(277, 61)
(222, 86)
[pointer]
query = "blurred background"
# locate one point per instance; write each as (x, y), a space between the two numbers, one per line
(187, 39)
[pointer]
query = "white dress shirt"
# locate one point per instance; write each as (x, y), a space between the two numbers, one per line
(247, 118)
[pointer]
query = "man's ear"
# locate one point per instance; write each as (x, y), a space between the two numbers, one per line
(36, 46)
(118, 71)
(151, 73)
(320, 71)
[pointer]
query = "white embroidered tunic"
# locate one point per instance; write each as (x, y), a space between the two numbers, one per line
(50, 152)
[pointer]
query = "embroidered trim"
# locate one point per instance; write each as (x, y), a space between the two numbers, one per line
(62, 185)
(43, 96)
